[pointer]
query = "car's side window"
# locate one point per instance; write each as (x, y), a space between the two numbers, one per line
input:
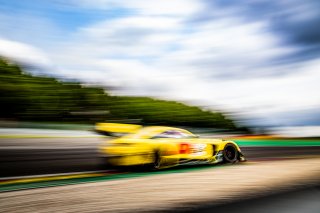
(172, 134)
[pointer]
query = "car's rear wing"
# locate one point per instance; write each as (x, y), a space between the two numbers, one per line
(116, 129)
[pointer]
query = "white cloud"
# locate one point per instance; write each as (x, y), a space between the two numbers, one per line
(224, 48)
(23, 53)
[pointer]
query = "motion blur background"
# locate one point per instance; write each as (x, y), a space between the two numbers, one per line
(245, 70)
(242, 66)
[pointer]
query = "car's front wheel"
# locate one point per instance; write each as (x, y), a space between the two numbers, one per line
(230, 153)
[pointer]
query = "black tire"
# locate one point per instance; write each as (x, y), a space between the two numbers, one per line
(157, 161)
(230, 153)
(104, 164)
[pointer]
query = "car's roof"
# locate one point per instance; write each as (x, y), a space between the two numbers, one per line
(150, 131)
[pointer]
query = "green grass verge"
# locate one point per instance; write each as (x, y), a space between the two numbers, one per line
(276, 142)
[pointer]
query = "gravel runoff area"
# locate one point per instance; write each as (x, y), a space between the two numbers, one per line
(175, 191)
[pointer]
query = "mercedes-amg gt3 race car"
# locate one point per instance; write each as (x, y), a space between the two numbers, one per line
(160, 147)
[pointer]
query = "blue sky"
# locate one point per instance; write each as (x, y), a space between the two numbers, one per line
(65, 15)
(258, 60)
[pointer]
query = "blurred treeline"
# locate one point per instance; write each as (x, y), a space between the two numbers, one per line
(25, 97)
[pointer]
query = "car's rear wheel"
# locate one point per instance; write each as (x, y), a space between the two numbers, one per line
(157, 161)
(230, 153)
(161, 162)
(104, 164)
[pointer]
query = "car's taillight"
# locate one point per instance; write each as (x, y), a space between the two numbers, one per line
(184, 148)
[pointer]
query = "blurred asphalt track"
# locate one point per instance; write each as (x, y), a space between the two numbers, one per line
(305, 199)
(37, 156)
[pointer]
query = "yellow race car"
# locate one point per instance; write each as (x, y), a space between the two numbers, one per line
(160, 147)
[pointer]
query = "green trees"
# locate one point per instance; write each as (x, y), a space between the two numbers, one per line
(36, 98)
(159, 112)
